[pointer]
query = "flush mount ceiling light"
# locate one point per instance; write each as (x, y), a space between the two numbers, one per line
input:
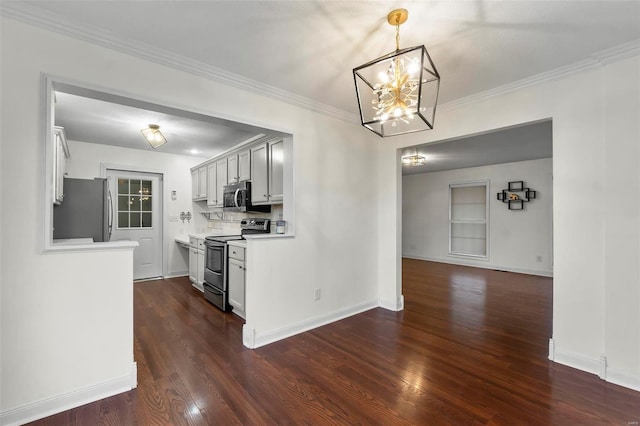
(398, 92)
(414, 160)
(153, 136)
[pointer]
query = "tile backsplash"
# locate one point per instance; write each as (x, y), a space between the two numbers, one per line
(230, 222)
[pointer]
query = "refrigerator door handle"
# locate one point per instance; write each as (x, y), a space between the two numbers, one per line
(110, 202)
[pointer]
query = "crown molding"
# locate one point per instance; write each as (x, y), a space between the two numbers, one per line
(40, 18)
(603, 57)
(618, 53)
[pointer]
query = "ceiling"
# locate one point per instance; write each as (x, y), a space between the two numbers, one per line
(527, 142)
(304, 51)
(93, 120)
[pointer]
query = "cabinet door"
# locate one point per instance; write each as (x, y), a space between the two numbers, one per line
(232, 169)
(221, 174)
(200, 271)
(60, 169)
(236, 285)
(276, 170)
(193, 264)
(212, 176)
(195, 190)
(244, 165)
(259, 174)
(60, 154)
(202, 182)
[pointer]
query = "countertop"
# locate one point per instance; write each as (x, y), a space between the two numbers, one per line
(70, 241)
(184, 238)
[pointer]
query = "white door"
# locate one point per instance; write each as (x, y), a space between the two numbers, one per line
(137, 216)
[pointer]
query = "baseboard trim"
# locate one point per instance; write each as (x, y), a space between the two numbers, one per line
(392, 305)
(625, 379)
(49, 406)
(578, 361)
(596, 366)
(463, 262)
(252, 339)
(177, 274)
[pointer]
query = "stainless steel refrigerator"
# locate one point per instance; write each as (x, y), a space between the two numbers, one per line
(84, 211)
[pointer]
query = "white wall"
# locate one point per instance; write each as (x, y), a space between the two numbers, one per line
(335, 245)
(516, 237)
(596, 249)
(49, 348)
(622, 221)
(86, 159)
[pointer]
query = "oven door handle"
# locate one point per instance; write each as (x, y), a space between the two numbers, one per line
(235, 198)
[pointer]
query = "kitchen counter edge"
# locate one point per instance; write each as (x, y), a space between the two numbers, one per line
(267, 236)
(86, 247)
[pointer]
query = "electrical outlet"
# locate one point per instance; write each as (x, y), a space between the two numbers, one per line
(538, 258)
(317, 294)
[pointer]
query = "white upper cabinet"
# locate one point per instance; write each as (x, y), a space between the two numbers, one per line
(244, 165)
(212, 178)
(232, 169)
(195, 191)
(276, 170)
(60, 155)
(260, 162)
(221, 180)
(199, 183)
(202, 182)
(259, 174)
(267, 172)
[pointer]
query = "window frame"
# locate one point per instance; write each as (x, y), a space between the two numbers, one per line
(129, 212)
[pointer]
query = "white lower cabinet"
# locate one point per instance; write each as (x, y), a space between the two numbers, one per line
(200, 272)
(237, 280)
(196, 262)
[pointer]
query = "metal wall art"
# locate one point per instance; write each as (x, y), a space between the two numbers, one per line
(516, 195)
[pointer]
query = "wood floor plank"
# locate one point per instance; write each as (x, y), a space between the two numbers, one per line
(469, 348)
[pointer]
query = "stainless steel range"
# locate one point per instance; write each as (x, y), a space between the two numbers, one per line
(216, 281)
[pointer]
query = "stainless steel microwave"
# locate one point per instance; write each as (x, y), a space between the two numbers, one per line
(237, 198)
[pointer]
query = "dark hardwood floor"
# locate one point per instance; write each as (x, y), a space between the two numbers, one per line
(469, 348)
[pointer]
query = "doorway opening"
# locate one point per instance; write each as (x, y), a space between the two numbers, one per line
(454, 215)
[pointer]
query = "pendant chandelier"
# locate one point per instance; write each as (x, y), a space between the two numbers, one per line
(414, 160)
(398, 92)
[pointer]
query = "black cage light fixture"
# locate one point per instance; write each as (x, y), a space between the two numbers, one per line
(398, 92)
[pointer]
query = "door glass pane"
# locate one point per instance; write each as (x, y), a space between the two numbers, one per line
(146, 204)
(135, 203)
(146, 220)
(146, 187)
(135, 187)
(123, 220)
(123, 203)
(135, 220)
(123, 186)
